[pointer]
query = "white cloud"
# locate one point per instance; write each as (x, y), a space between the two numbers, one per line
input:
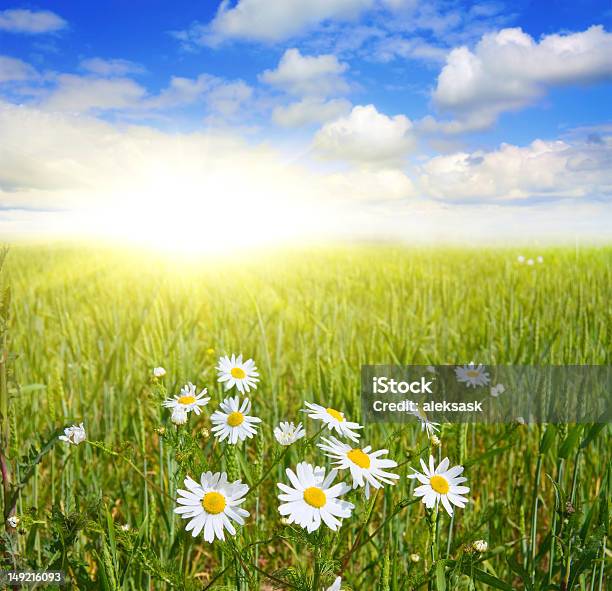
(366, 137)
(310, 110)
(30, 21)
(15, 70)
(85, 93)
(509, 69)
(111, 67)
(541, 170)
(302, 75)
(387, 184)
(227, 98)
(263, 20)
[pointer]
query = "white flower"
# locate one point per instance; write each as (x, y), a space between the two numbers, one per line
(520, 258)
(334, 419)
(366, 466)
(188, 400)
(13, 521)
(430, 369)
(313, 499)
(472, 375)
(288, 433)
(540, 259)
(235, 372)
(74, 435)
(159, 372)
(441, 484)
(335, 585)
(530, 261)
(414, 558)
(497, 390)
(480, 546)
(125, 527)
(233, 422)
(179, 416)
(212, 505)
(520, 420)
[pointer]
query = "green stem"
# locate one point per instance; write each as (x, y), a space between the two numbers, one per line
(534, 517)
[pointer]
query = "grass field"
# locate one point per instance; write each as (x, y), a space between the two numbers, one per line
(88, 325)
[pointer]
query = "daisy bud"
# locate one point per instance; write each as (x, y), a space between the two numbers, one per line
(520, 420)
(480, 546)
(125, 527)
(285, 521)
(435, 441)
(205, 433)
(159, 372)
(179, 416)
(161, 431)
(13, 521)
(414, 558)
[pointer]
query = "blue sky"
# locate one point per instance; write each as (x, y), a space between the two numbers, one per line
(414, 120)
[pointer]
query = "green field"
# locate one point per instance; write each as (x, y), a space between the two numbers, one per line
(86, 326)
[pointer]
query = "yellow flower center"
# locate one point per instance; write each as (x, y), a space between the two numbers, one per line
(238, 373)
(439, 484)
(315, 497)
(358, 457)
(235, 418)
(187, 399)
(213, 503)
(335, 413)
(472, 373)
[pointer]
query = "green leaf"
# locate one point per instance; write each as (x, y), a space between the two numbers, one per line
(440, 578)
(486, 578)
(547, 439)
(570, 442)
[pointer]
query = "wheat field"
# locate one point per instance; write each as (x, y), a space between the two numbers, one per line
(83, 328)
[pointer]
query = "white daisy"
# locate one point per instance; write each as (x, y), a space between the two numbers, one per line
(530, 261)
(233, 422)
(74, 435)
(179, 415)
(441, 484)
(520, 258)
(313, 499)
(497, 390)
(426, 425)
(472, 375)
(367, 467)
(288, 433)
(334, 419)
(212, 505)
(235, 372)
(13, 521)
(540, 259)
(335, 586)
(188, 400)
(159, 372)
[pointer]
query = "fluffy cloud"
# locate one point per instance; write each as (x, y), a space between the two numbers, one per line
(509, 69)
(30, 21)
(302, 75)
(15, 70)
(85, 93)
(542, 170)
(262, 20)
(310, 110)
(366, 137)
(111, 67)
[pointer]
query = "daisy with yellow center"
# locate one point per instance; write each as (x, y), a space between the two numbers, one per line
(312, 499)
(441, 484)
(472, 375)
(232, 421)
(232, 371)
(212, 505)
(334, 419)
(188, 400)
(367, 467)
